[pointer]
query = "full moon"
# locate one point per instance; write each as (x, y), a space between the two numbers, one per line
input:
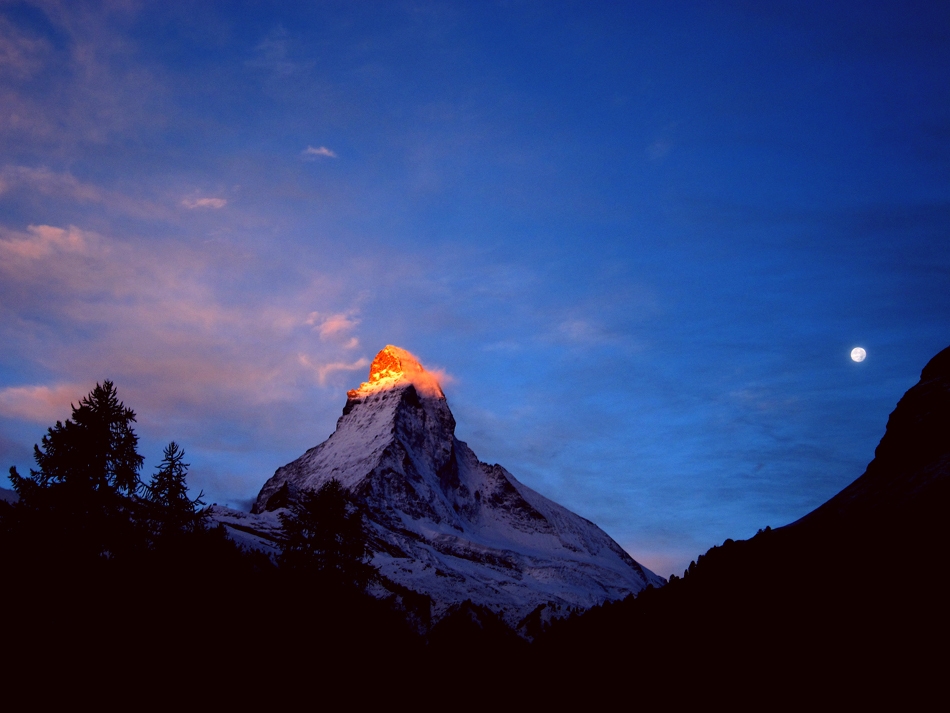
(858, 354)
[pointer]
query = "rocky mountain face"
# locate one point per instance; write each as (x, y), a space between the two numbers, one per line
(443, 523)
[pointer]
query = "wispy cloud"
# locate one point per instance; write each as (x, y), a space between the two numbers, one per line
(48, 183)
(93, 89)
(168, 322)
(215, 203)
(273, 54)
(583, 333)
(325, 370)
(41, 241)
(312, 153)
(334, 326)
(40, 404)
(63, 185)
(21, 56)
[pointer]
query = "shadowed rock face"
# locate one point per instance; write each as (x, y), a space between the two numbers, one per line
(443, 522)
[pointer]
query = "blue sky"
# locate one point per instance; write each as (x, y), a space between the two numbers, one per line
(641, 239)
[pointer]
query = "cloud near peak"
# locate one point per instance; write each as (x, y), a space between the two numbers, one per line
(324, 370)
(334, 326)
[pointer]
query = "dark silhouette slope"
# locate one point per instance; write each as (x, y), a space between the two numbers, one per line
(906, 488)
(849, 602)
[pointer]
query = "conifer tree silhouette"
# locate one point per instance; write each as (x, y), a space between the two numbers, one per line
(168, 494)
(325, 539)
(87, 471)
(95, 450)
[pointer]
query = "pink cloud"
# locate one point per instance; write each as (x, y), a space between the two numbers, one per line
(169, 323)
(334, 326)
(323, 371)
(20, 56)
(215, 203)
(49, 182)
(41, 241)
(39, 404)
(43, 181)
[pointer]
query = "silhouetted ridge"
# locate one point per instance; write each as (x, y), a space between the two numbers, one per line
(849, 600)
(938, 367)
(906, 485)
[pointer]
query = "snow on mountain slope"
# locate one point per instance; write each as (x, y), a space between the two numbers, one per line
(443, 523)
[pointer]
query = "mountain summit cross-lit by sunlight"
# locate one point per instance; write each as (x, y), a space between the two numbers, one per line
(394, 366)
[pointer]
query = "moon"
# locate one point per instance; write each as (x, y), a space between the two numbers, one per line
(858, 354)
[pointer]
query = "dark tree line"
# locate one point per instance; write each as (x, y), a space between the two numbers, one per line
(85, 504)
(87, 494)
(98, 564)
(85, 501)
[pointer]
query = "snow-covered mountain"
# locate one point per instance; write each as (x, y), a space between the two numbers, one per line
(444, 524)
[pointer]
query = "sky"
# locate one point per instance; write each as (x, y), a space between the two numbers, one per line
(639, 239)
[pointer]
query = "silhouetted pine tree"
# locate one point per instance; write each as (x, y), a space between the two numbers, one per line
(94, 450)
(77, 500)
(172, 510)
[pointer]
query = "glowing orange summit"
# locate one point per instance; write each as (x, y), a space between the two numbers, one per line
(394, 366)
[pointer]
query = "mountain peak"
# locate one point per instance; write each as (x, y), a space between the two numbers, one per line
(394, 367)
(392, 362)
(443, 523)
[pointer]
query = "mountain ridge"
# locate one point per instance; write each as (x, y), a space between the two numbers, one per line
(442, 522)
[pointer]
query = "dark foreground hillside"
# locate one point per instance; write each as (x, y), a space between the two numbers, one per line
(850, 602)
